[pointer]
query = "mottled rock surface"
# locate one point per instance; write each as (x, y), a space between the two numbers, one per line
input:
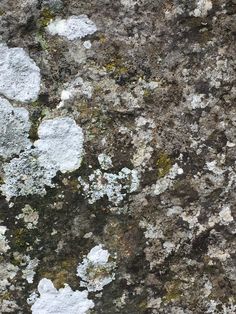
(117, 157)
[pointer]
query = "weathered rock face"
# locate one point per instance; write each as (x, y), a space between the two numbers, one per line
(117, 156)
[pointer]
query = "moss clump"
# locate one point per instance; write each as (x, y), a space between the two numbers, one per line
(102, 39)
(45, 17)
(20, 237)
(164, 164)
(63, 272)
(116, 67)
(173, 291)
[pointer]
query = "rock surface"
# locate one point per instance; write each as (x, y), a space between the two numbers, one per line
(117, 157)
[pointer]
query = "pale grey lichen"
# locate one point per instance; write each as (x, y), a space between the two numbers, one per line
(105, 161)
(4, 247)
(7, 272)
(30, 216)
(96, 270)
(19, 75)
(14, 129)
(112, 185)
(64, 300)
(141, 141)
(167, 181)
(29, 271)
(25, 175)
(74, 27)
(202, 8)
(60, 144)
(59, 148)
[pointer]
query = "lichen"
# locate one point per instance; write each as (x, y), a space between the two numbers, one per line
(59, 147)
(96, 271)
(164, 164)
(14, 129)
(61, 301)
(46, 16)
(75, 27)
(19, 75)
(112, 185)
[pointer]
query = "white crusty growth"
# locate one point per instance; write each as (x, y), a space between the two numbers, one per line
(74, 27)
(62, 301)
(60, 144)
(4, 247)
(96, 270)
(59, 148)
(19, 75)
(108, 184)
(202, 8)
(14, 129)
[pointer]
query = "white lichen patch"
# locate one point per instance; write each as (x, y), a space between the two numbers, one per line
(7, 272)
(9, 306)
(196, 101)
(226, 215)
(30, 216)
(202, 8)
(4, 247)
(112, 185)
(19, 75)
(96, 271)
(29, 271)
(14, 129)
(168, 246)
(64, 300)
(60, 144)
(105, 161)
(141, 141)
(75, 27)
(218, 253)
(25, 175)
(152, 231)
(167, 181)
(59, 148)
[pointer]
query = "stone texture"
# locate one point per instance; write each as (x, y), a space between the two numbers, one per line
(118, 145)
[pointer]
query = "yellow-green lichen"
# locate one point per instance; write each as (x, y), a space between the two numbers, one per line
(164, 164)
(116, 67)
(46, 17)
(173, 291)
(63, 272)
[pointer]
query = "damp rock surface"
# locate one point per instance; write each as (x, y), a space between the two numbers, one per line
(117, 157)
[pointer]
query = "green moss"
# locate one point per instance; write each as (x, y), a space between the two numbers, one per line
(116, 67)
(63, 272)
(173, 292)
(45, 17)
(143, 305)
(164, 164)
(19, 240)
